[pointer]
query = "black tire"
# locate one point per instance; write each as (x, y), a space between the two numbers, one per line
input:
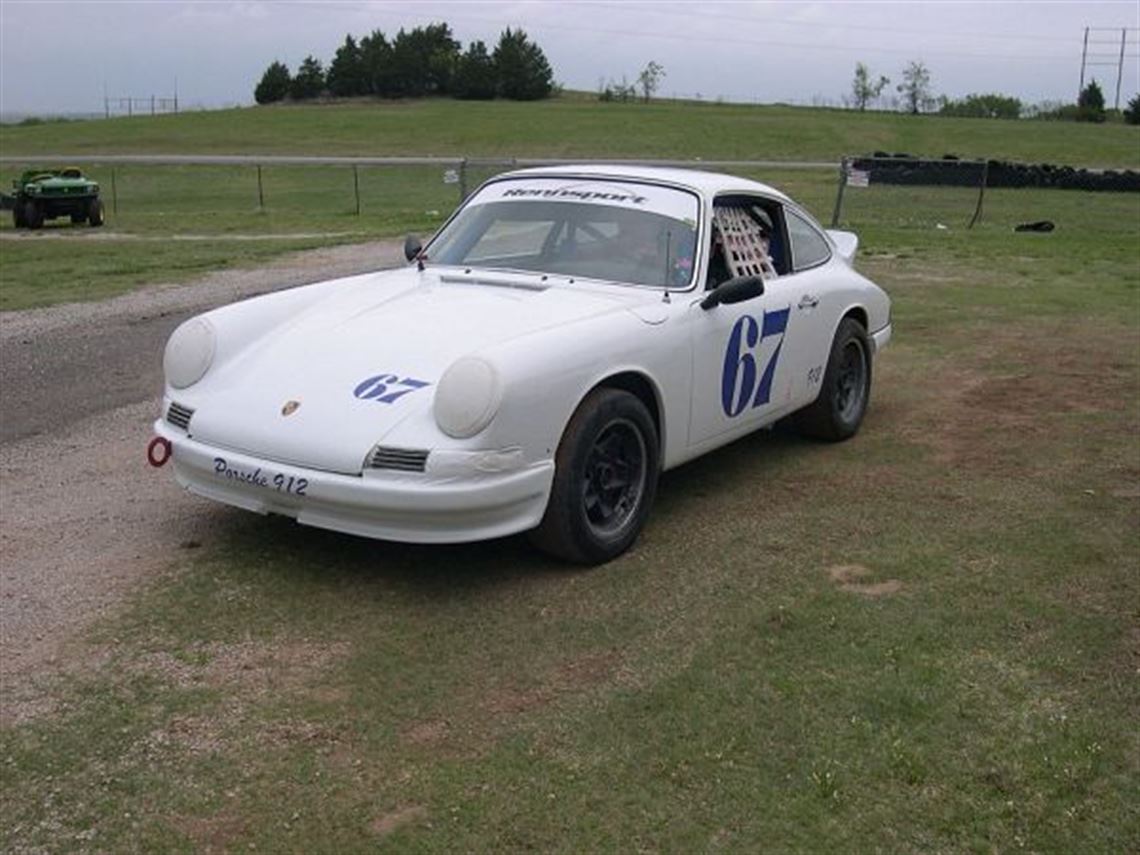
(846, 388)
(593, 514)
(33, 215)
(95, 213)
(18, 215)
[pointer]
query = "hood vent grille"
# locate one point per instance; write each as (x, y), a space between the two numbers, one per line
(493, 283)
(401, 459)
(179, 416)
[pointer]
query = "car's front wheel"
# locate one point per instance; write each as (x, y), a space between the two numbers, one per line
(33, 215)
(95, 215)
(605, 478)
(845, 390)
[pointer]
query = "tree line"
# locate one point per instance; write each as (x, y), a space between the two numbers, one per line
(917, 98)
(416, 63)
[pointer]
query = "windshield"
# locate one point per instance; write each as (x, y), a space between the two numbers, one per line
(610, 230)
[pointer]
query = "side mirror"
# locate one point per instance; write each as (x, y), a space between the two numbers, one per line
(412, 247)
(734, 291)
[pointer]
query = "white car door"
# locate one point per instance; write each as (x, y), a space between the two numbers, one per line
(741, 378)
(748, 356)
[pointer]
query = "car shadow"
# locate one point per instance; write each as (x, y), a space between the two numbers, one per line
(319, 556)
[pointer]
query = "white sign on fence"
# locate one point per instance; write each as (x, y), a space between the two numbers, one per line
(451, 176)
(858, 178)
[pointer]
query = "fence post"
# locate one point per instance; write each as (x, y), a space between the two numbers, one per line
(356, 188)
(260, 192)
(462, 180)
(981, 194)
(838, 212)
(114, 193)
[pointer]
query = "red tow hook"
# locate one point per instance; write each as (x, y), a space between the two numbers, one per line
(158, 451)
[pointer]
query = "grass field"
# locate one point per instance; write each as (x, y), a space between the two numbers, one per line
(573, 127)
(307, 206)
(922, 640)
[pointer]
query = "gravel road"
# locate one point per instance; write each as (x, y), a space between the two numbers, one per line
(82, 518)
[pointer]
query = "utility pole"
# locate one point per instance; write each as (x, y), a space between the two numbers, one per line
(1084, 57)
(1102, 57)
(1120, 67)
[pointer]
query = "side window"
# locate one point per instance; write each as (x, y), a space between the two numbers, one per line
(809, 247)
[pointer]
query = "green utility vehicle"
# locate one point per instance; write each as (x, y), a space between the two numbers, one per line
(40, 195)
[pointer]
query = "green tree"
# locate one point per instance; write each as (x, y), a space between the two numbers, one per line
(377, 62)
(1132, 111)
(1090, 104)
(864, 89)
(915, 87)
(346, 75)
(423, 61)
(309, 82)
(474, 77)
(521, 68)
(650, 78)
(274, 84)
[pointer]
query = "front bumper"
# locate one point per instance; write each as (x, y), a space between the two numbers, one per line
(881, 338)
(389, 506)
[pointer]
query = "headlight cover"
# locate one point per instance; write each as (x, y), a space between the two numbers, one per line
(189, 353)
(467, 397)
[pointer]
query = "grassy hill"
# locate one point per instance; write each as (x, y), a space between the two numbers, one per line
(577, 128)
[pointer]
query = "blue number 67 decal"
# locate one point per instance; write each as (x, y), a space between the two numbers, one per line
(379, 388)
(738, 386)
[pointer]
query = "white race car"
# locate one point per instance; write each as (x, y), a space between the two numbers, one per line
(567, 335)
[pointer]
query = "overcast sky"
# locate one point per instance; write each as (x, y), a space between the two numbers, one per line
(64, 56)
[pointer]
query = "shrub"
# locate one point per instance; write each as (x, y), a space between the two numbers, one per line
(274, 85)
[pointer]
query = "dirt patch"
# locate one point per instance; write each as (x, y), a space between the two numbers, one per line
(212, 834)
(428, 732)
(847, 577)
(574, 675)
(973, 416)
(384, 825)
(250, 668)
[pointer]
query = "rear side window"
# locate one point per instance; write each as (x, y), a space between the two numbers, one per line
(809, 247)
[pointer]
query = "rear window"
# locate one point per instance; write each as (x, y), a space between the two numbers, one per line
(809, 246)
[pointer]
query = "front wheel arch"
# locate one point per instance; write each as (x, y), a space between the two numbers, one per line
(605, 479)
(645, 390)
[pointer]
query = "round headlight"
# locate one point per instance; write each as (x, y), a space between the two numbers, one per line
(189, 353)
(467, 397)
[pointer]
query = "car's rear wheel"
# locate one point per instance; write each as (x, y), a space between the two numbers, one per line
(845, 390)
(95, 213)
(33, 215)
(18, 215)
(605, 479)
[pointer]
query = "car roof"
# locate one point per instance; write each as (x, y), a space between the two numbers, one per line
(707, 183)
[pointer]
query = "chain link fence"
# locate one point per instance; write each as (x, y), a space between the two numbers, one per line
(264, 196)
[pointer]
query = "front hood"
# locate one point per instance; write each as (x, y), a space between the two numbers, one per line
(367, 357)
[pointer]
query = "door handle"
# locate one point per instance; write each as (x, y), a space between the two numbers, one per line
(807, 301)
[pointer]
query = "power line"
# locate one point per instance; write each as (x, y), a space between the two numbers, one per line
(720, 38)
(711, 14)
